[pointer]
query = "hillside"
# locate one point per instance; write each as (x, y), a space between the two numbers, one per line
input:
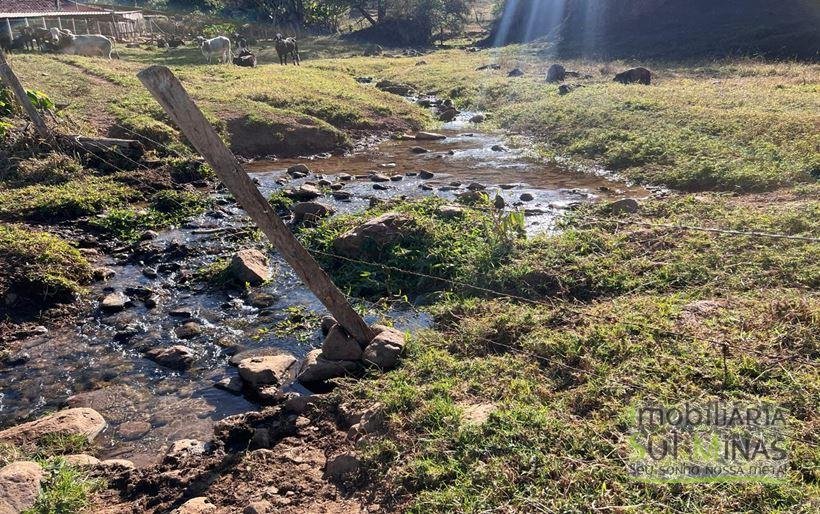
(665, 28)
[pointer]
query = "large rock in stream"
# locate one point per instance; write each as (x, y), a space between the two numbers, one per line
(316, 368)
(267, 370)
(385, 349)
(80, 421)
(378, 232)
(249, 266)
(19, 486)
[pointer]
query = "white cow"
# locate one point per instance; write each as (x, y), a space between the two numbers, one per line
(90, 45)
(218, 46)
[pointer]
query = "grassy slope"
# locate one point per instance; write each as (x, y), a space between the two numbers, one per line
(728, 126)
(102, 93)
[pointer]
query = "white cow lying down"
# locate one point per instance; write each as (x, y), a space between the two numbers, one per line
(219, 46)
(91, 45)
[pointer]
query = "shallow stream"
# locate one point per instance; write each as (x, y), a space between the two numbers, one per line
(100, 362)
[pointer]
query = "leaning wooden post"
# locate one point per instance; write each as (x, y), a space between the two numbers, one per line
(8, 76)
(170, 94)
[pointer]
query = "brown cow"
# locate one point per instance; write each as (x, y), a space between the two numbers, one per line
(639, 75)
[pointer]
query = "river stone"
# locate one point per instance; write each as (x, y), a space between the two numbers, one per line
(429, 136)
(345, 177)
(131, 430)
(199, 505)
(515, 72)
(315, 368)
(344, 466)
(341, 195)
(419, 149)
(304, 193)
(556, 73)
(450, 211)
(114, 302)
(184, 448)
(627, 205)
(267, 370)
(385, 349)
(176, 357)
(310, 211)
(380, 187)
(380, 231)
(188, 330)
(298, 169)
(426, 174)
(232, 385)
(249, 265)
(339, 346)
(81, 460)
(526, 197)
(498, 148)
(327, 323)
(19, 486)
(115, 465)
(475, 186)
(478, 118)
(379, 177)
(79, 421)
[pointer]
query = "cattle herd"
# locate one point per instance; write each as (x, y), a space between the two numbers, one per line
(217, 49)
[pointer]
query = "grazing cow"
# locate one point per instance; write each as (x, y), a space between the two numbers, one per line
(90, 45)
(640, 75)
(219, 46)
(287, 46)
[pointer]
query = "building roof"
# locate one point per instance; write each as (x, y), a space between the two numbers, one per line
(32, 8)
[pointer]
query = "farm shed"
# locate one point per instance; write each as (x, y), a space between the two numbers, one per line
(80, 18)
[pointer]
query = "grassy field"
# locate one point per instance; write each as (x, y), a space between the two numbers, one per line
(521, 401)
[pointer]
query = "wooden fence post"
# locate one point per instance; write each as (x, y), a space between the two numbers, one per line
(8, 76)
(173, 98)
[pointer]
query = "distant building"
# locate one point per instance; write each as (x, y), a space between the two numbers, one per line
(67, 14)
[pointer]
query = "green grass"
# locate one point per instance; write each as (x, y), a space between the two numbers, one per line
(39, 266)
(73, 199)
(459, 247)
(617, 319)
(66, 489)
(309, 108)
(53, 168)
(165, 208)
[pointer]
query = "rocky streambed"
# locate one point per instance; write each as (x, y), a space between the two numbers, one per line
(157, 357)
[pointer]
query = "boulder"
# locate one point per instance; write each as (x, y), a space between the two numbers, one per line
(310, 211)
(327, 323)
(429, 136)
(114, 302)
(515, 72)
(19, 486)
(80, 421)
(176, 357)
(447, 114)
(339, 346)
(380, 231)
(556, 73)
(81, 460)
(298, 171)
(184, 448)
(249, 265)
(303, 193)
(564, 89)
(625, 206)
(315, 368)
(385, 349)
(199, 505)
(269, 370)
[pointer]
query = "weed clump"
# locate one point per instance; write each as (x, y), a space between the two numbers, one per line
(54, 168)
(165, 208)
(69, 200)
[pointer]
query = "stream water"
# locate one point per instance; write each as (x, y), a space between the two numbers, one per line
(100, 362)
